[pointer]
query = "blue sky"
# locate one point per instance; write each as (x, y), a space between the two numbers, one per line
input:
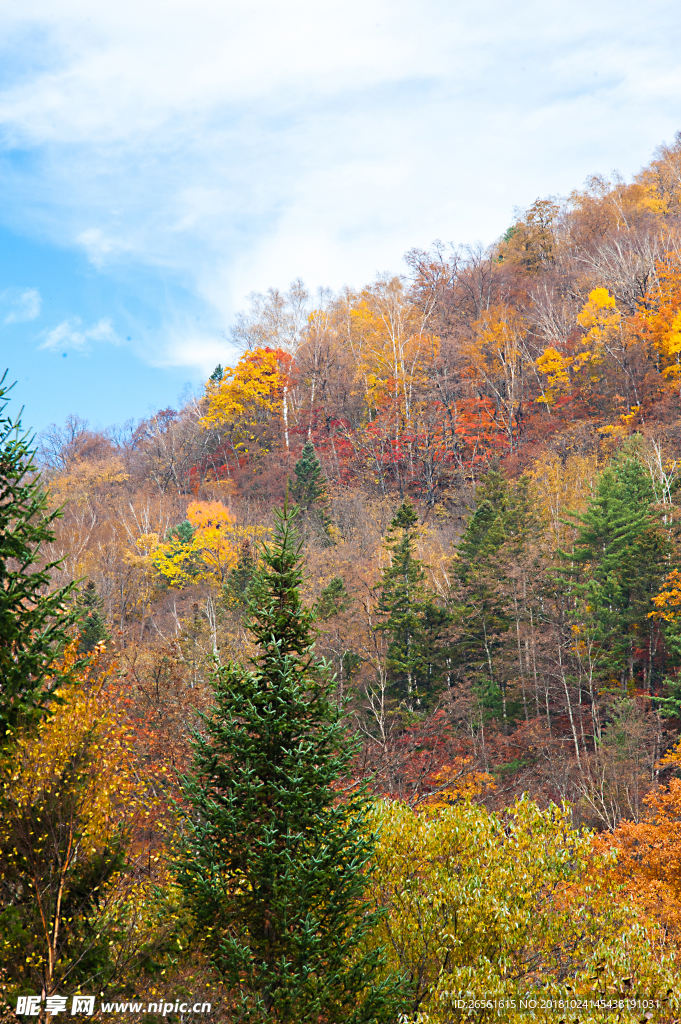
(159, 161)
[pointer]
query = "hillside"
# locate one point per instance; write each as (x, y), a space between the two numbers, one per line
(485, 453)
(506, 393)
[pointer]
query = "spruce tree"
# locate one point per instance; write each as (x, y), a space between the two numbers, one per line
(236, 587)
(415, 625)
(494, 537)
(333, 599)
(34, 623)
(93, 629)
(275, 866)
(311, 493)
(619, 559)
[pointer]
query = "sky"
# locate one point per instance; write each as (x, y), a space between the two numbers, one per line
(162, 159)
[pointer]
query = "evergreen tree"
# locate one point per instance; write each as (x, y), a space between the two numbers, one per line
(333, 599)
(182, 533)
(275, 866)
(619, 559)
(414, 623)
(236, 587)
(434, 655)
(217, 375)
(495, 536)
(349, 664)
(34, 624)
(669, 705)
(93, 629)
(311, 493)
(486, 529)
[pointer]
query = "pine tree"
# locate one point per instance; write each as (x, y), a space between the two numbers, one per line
(275, 866)
(93, 629)
(311, 493)
(34, 624)
(415, 625)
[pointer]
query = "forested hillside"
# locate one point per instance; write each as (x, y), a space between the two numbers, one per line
(483, 458)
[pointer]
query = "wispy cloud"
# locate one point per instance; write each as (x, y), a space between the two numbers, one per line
(70, 334)
(223, 147)
(19, 305)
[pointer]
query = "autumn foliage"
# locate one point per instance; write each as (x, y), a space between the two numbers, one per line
(485, 455)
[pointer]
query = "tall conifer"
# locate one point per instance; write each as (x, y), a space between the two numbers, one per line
(414, 623)
(495, 536)
(34, 623)
(275, 865)
(619, 559)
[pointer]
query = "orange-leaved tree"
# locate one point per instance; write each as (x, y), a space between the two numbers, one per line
(658, 318)
(649, 852)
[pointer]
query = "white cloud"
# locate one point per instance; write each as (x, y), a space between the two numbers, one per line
(225, 147)
(21, 305)
(69, 334)
(99, 246)
(201, 353)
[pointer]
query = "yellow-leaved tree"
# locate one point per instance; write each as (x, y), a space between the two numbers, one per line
(387, 333)
(658, 318)
(77, 899)
(484, 911)
(247, 405)
(555, 368)
(202, 549)
(602, 355)
(497, 363)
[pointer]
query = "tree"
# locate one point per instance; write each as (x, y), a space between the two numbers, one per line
(275, 866)
(333, 599)
(495, 356)
(648, 863)
(311, 493)
(615, 568)
(235, 589)
(72, 824)
(412, 620)
(34, 625)
(203, 548)
(248, 403)
(93, 629)
(481, 612)
(530, 243)
(486, 908)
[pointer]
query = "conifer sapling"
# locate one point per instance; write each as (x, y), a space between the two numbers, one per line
(310, 491)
